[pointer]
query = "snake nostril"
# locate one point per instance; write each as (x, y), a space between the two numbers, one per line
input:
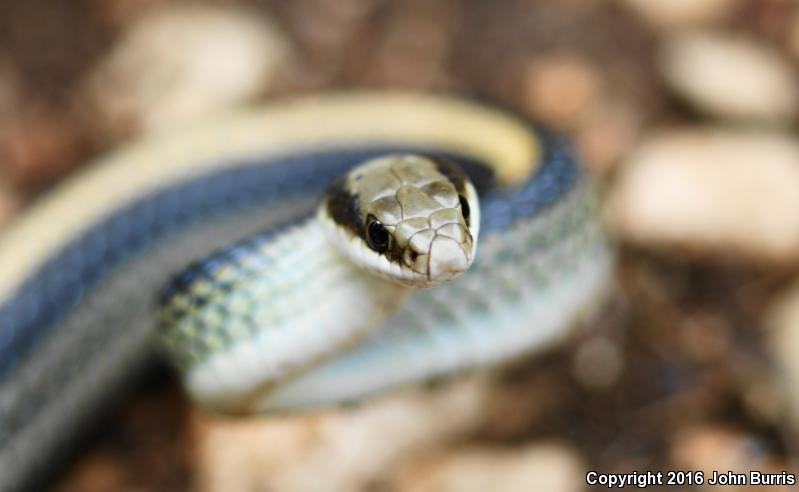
(410, 257)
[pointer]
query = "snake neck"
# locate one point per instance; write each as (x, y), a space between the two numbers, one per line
(317, 304)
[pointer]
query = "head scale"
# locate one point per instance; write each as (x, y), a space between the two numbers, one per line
(408, 218)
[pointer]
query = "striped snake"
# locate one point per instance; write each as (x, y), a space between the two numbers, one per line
(278, 300)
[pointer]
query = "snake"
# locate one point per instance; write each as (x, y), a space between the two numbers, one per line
(318, 250)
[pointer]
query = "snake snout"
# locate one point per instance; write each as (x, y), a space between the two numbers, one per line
(448, 258)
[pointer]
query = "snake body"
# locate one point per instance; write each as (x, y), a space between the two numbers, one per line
(231, 199)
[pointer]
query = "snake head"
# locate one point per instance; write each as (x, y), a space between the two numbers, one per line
(408, 218)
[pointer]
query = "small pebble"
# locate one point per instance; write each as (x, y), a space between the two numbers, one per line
(598, 363)
(715, 191)
(681, 13)
(553, 467)
(730, 77)
(561, 88)
(179, 63)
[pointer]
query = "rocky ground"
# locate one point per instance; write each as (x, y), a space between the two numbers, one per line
(686, 109)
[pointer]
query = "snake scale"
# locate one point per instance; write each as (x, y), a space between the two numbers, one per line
(223, 209)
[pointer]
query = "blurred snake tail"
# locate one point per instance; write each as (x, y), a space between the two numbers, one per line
(219, 207)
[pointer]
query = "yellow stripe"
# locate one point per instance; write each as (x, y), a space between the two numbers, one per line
(157, 162)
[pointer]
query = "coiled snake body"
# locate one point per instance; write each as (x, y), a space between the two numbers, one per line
(265, 312)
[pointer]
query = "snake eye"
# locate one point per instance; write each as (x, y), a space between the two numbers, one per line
(465, 210)
(376, 235)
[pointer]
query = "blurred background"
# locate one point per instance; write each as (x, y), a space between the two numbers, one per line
(685, 109)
